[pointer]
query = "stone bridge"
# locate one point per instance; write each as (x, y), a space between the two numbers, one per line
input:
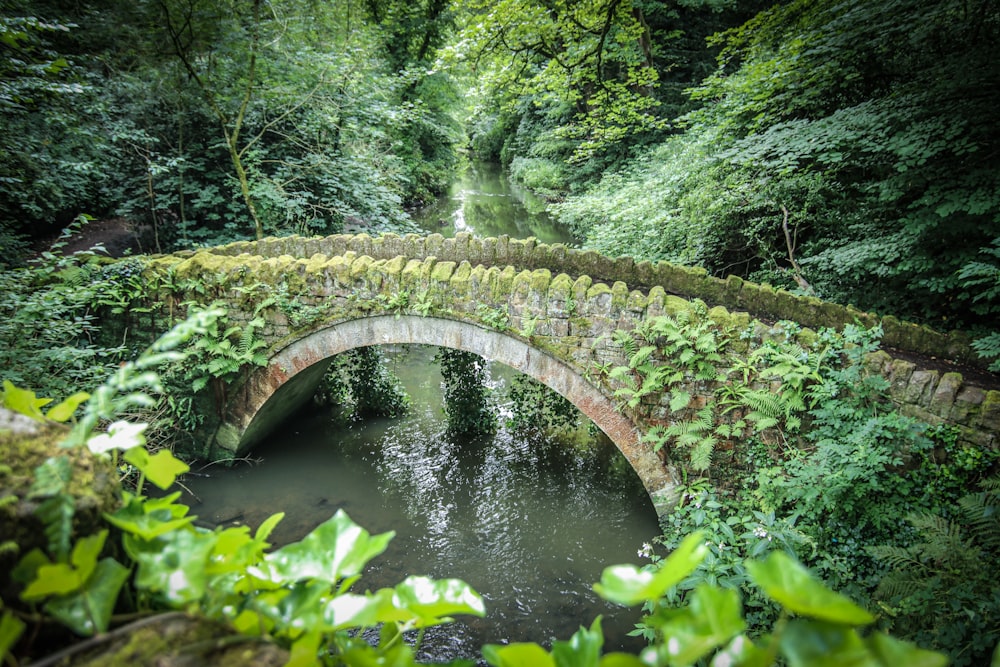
(548, 312)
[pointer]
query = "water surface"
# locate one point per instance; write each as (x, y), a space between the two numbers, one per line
(528, 522)
(483, 201)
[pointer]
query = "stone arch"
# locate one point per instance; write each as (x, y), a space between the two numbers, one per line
(293, 372)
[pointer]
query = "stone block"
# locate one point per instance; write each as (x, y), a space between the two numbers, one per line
(920, 389)
(989, 414)
(944, 395)
(899, 375)
(968, 403)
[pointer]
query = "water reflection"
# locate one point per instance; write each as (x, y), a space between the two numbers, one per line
(484, 202)
(529, 523)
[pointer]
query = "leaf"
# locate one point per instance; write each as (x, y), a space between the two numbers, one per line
(892, 651)
(11, 629)
(517, 655)
(88, 611)
(582, 650)
(336, 548)
(24, 401)
(174, 566)
(265, 528)
(679, 400)
(786, 581)
(630, 585)
(65, 409)
(161, 468)
(808, 643)
(433, 601)
(713, 617)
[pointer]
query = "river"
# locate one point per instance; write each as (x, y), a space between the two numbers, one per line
(529, 522)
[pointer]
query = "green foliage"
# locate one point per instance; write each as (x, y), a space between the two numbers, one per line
(298, 595)
(50, 336)
(360, 380)
(467, 396)
(536, 408)
(938, 593)
(816, 625)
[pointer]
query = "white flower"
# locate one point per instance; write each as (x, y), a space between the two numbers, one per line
(121, 435)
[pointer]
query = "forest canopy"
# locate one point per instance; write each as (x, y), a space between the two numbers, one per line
(842, 148)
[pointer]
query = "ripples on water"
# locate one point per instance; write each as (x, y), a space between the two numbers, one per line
(527, 522)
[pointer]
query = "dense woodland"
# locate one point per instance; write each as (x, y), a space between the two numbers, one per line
(846, 149)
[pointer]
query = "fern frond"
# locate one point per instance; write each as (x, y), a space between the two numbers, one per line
(982, 520)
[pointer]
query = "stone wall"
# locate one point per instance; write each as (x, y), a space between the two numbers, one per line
(760, 300)
(569, 315)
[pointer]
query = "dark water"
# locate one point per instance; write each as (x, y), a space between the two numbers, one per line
(484, 202)
(529, 523)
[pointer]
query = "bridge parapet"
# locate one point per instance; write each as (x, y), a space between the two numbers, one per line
(760, 300)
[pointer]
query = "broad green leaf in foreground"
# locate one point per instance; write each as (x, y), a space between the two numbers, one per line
(630, 585)
(433, 601)
(335, 549)
(88, 611)
(786, 581)
(713, 617)
(517, 655)
(583, 649)
(161, 468)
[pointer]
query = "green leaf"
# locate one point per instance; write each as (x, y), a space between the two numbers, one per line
(630, 585)
(713, 617)
(679, 400)
(432, 601)
(161, 468)
(151, 518)
(265, 528)
(786, 581)
(742, 651)
(517, 655)
(336, 548)
(621, 660)
(64, 410)
(11, 629)
(808, 643)
(891, 651)
(88, 611)
(175, 565)
(582, 650)
(24, 401)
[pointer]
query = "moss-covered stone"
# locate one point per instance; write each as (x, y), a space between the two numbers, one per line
(26, 444)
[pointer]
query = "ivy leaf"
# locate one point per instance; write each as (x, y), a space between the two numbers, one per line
(582, 650)
(432, 601)
(88, 611)
(808, 643)
(786, 581)
(65, 409)
(713, 617)
(336, 548)
(175, 566)
(24, 401)
(161, 468)
(150, 518)
(892, 651)
(630, 585)
(517, 655)
(11, 629)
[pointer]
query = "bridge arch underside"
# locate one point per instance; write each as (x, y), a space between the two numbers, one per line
(293, 373)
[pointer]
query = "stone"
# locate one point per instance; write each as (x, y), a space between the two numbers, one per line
(944, 395)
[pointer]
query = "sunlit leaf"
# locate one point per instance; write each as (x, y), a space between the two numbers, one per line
(65, 409)
(264, 530)
(630, 585)
(742, 651)
(175, 566)
(336, 548)
(161, 468)
(24, 401)
(786, 581)
(434, 600)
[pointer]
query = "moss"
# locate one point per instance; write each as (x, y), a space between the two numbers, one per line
(561, 288)
(619, 295)
(596, 290)
(443, 271)
(540, 280)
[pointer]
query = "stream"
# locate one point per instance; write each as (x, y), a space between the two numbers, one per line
(528, 521)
